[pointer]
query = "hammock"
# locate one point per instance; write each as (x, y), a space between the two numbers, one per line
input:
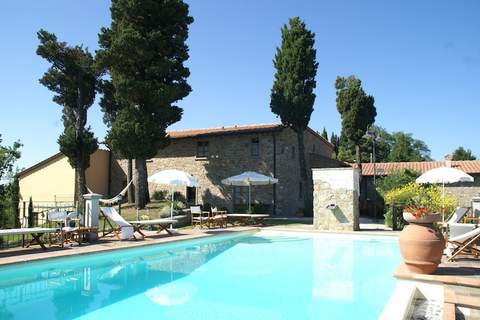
(116, 199)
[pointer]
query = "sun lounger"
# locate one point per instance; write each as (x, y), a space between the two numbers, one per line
(462, 240)
(248, 218)
(36, 234)
(163, 224)
(124, 231)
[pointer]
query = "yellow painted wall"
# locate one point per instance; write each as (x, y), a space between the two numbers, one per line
(55, 180)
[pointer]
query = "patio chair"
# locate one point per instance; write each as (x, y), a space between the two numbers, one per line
(218, 217)
(123, 230)
(199, 217)
(66, 221)
(463, 239)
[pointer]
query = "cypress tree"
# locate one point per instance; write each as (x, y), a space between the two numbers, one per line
(292, 96)
(72, 77)
(357, 110)
(143, 51)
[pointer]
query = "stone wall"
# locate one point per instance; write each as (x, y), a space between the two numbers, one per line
(231, 155)
(335, 198)
(464, 192)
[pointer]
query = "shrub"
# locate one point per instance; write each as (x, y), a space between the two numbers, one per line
(423, 198)
(395, 180)
(160, 195)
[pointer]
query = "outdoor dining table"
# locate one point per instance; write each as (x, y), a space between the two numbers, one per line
(248, 218)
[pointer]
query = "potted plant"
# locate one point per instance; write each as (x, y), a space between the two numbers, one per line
(421, 242)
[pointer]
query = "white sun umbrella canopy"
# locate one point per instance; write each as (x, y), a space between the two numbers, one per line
(444, 175)
(248, 179)
(173, 178)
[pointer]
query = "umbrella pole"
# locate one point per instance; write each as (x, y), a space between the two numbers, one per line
(249, 198)
(443, 201)
(171, 208)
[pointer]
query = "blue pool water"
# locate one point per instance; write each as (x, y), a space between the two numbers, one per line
(261, 276)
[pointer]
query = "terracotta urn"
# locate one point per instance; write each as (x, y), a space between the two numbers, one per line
(421, 244)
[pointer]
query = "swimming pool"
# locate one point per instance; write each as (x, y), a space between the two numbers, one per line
(267, 275)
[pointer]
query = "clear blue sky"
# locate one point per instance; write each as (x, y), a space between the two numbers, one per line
(419, 59)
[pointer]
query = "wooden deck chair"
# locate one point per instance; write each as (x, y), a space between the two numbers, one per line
(123, 230)
(464, 243)
(198, 216)
(218, 217)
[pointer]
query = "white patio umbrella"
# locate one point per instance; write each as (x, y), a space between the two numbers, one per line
(173, 178)
(444, 175)
(249, 179)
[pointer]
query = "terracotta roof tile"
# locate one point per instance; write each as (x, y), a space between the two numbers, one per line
(472, 166)
(191, 133)
(237, 129)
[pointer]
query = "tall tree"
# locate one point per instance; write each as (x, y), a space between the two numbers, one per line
(463, 154)
(383, 145)
(406, 149)
(358, 112)
(72, 78)
(8, 157)
(335, 141)
(144, 51)
(325, 134)
(292, 96)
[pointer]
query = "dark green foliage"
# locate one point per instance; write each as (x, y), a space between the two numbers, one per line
(160, 195)
(358, 112)
(325, 134)
(8, 157)
(292, 96)
(406, 148)
(30, 213)
(72, 78)
(9, 201)
(461, 154)
(143, 51)
(396, 179)
(335, 141)
(70, 146)
(383, 145)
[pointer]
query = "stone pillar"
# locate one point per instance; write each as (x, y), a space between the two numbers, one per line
(476, 207)
(92, 211)
(336, 194)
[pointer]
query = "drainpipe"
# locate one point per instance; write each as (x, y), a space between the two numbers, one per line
(274, 138)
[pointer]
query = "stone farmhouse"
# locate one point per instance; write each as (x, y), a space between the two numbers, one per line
(213, 154)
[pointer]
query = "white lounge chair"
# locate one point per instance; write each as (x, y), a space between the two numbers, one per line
(124, 231)
(36, 234)
(463, 238)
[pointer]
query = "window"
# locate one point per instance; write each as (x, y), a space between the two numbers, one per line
(255, 147)
(202, 149)
(300, 190)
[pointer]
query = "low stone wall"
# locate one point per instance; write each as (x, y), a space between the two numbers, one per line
(335, 199)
